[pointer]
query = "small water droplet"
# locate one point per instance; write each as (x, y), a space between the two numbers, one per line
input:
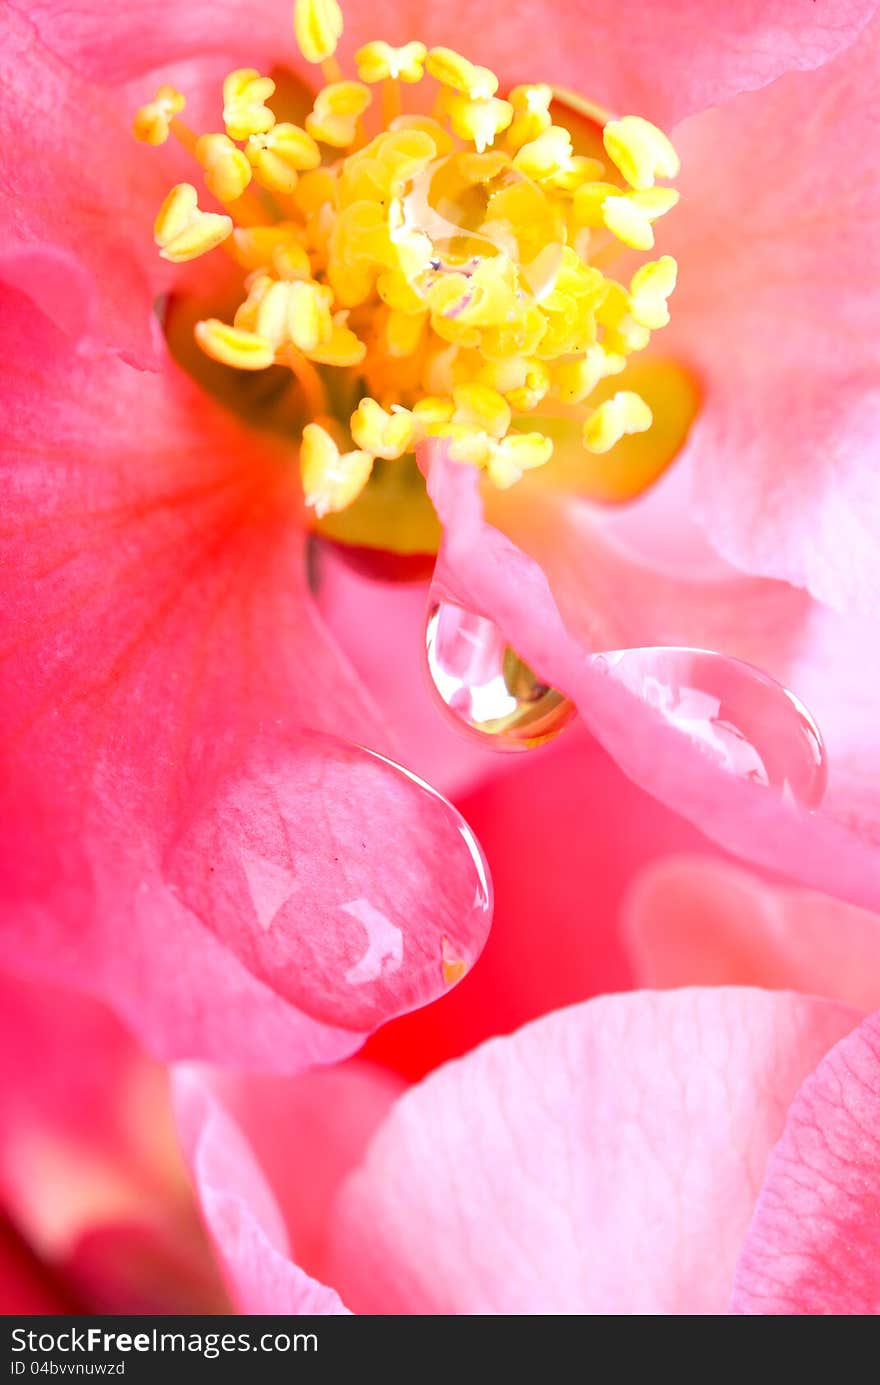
(485, 686)
(472, 206)
(745, 720)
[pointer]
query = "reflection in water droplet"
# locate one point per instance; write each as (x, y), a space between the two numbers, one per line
(471, 207)
(745, 720)
(485, 686)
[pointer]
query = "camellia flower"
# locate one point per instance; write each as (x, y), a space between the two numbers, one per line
(185, 839)
(697, 1150)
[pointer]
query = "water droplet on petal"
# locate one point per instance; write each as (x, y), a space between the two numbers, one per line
(336, 877)
(472, 206)
(745, 720)
(485, 686)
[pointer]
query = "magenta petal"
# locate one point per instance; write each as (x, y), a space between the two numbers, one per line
(605, 1159)
(176, 842)
(240, 1211)
(77, 212)
(814, 1244)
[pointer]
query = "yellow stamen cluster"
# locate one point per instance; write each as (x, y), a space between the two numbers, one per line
(435, 278)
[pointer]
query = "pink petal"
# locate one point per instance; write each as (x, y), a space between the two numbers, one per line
(779, 252)
(564, 832)
(183, 841)
(381, 627)
(605, 1159)
(588, 598)
(694, 921)
(814, 1244)
(659, 59)
(307, 1133)
(76, 218)
(240, 1212)
(89, 1168)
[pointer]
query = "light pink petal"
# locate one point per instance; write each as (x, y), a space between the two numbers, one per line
(605, 1159)
(79, 201)
(565, 832)
(778, 242)
(240, 1212)
(814, 1244)
(695, 921)
(583, 598)
(659, 59)
(187, 836)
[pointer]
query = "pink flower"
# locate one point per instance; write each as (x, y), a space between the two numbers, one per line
(186, 841)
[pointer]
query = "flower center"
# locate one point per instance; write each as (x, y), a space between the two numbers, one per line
(441, 277)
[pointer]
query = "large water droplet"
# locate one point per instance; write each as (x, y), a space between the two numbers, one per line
(472, 206)
(744, 720)
(315, 863)
(485, 686)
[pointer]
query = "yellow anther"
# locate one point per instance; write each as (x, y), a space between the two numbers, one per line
(279, 156)
(336, 112)
(432, 411)
(478, 120)
(481, 407)
(342, 348)
(380, 170)
(403, 333)
(331, 479)
(457, 73)
(291, 261)
(183, 231)
(489, 297)
(649, 289)
(317, 26)
(153, 121)
(640, 151)
(234, 346)
(378, 61)
(531, 107)
(549, 159)
(589, 202)
(381, 432)
(397, 291)
(516, 453)
(534, 388)
(624, 412)
(621, 333)
(245, 113)
(227, 171)
(464, 444)
(630, 217)
(255, 247)
(293, 311)
(574, 381)
(443, 141)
